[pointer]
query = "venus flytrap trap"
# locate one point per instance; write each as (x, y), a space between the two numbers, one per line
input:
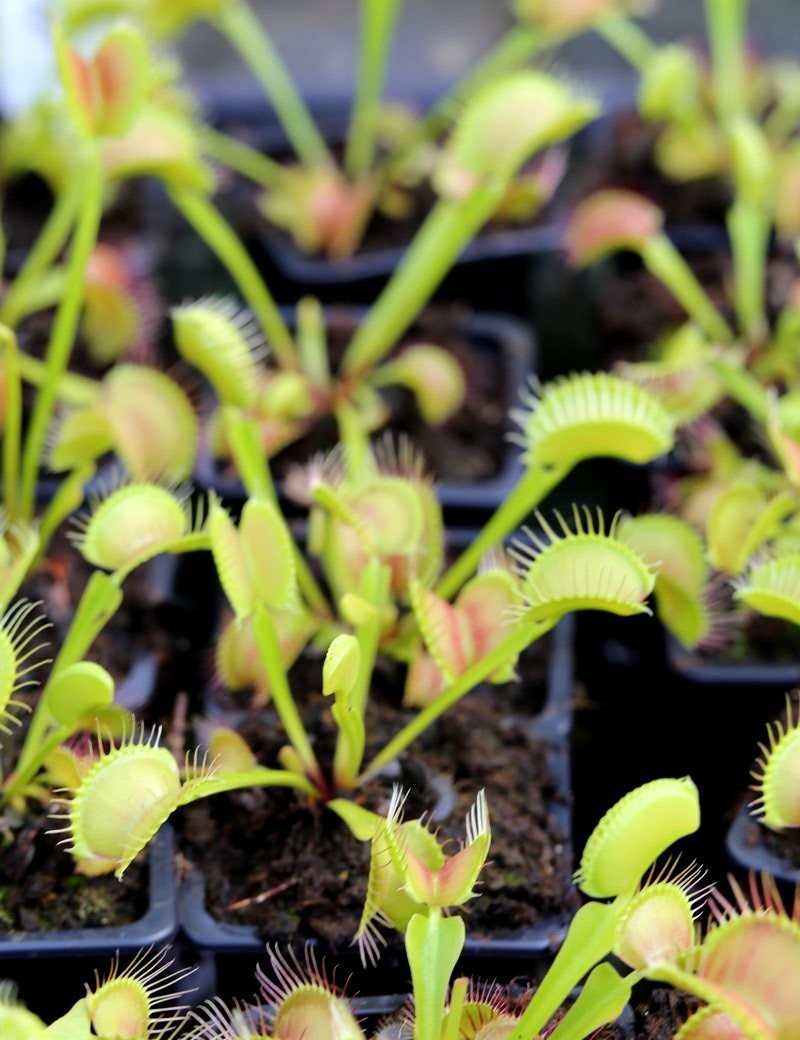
(563, 423)
(138, 1002)
(649, 924)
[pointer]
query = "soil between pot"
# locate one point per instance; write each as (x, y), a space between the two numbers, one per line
(41, 892)
(470, 446)
(294, 872)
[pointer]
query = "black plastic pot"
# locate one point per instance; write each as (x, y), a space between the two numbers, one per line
(493, 336)
(712, 673)
(752, 847)
(492, 957)
(490, 273)
(653, 709)
(51, 967)
(158, 925)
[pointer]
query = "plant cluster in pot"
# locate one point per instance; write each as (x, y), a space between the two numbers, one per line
(381, 602)
(649, 926)
(670, 141)
(335, 202)
(729, 378)
(505, 122)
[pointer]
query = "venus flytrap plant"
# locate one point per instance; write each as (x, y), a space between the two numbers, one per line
(255, 564)
(500, 127)
(128, 526)
(648, 925)
(100, 106)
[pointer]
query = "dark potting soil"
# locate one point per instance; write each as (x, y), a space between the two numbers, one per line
(469, 446)
(382, 233)
(783, 844)
(39, 888)
(294, 871)
(625, 153)
(661, 1014)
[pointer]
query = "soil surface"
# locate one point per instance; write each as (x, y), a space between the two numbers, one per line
(40, 890)
(382, 233)
(662, 1013)
(470, 446)
(294, 871)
